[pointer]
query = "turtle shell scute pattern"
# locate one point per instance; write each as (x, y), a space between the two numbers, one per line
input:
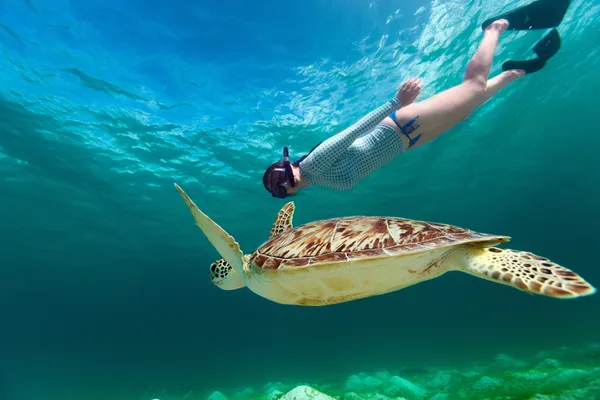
(344, 239)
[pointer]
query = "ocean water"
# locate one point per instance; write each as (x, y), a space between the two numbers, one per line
(104, 105)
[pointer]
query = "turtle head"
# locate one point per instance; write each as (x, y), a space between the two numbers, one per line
(224, 276)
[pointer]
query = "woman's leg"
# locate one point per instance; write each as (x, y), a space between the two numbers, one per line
(500, 81)
(443, 111)
(478, 68)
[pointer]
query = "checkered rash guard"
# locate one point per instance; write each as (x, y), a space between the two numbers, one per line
(341, 161)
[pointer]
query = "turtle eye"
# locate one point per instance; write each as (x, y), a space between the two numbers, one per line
(213, 267)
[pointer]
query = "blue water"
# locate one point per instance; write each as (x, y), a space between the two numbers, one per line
(104, 286)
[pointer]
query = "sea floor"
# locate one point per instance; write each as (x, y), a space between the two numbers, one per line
(564, 373)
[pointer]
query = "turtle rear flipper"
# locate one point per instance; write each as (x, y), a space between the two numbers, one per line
(521, 270)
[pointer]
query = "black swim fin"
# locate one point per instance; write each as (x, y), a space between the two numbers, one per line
(541, 14)
(545, 49)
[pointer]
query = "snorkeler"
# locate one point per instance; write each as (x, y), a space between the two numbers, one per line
(341, 161)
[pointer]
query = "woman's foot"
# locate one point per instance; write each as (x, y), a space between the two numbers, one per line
(515, 73)
(409, 91)
(499, 26)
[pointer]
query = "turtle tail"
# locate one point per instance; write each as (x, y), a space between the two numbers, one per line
(521, 270)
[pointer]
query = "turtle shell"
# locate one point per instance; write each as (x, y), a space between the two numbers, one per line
(350, 238)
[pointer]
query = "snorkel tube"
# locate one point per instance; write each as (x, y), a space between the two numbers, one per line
(288, 167)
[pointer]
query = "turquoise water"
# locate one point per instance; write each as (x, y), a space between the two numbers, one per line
(105, 286)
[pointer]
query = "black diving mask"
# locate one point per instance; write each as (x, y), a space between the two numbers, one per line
(282, 176)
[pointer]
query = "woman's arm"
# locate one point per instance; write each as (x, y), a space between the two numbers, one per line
(331, 149)
(328, 152)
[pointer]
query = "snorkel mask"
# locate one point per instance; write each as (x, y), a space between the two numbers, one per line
(279, 176)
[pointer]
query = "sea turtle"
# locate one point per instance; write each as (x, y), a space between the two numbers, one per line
(343, 259)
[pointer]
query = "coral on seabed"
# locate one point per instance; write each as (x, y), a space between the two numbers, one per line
(563, 374)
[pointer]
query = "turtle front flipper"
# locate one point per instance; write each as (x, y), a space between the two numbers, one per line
(283, 222)
(222, 274)
(521, 270)
(224, 243)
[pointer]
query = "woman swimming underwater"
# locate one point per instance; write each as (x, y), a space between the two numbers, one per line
(401, 124)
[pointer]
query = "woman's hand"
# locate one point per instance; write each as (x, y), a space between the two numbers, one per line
(409, 91)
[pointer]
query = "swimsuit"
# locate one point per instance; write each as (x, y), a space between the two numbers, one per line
(341, 161)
